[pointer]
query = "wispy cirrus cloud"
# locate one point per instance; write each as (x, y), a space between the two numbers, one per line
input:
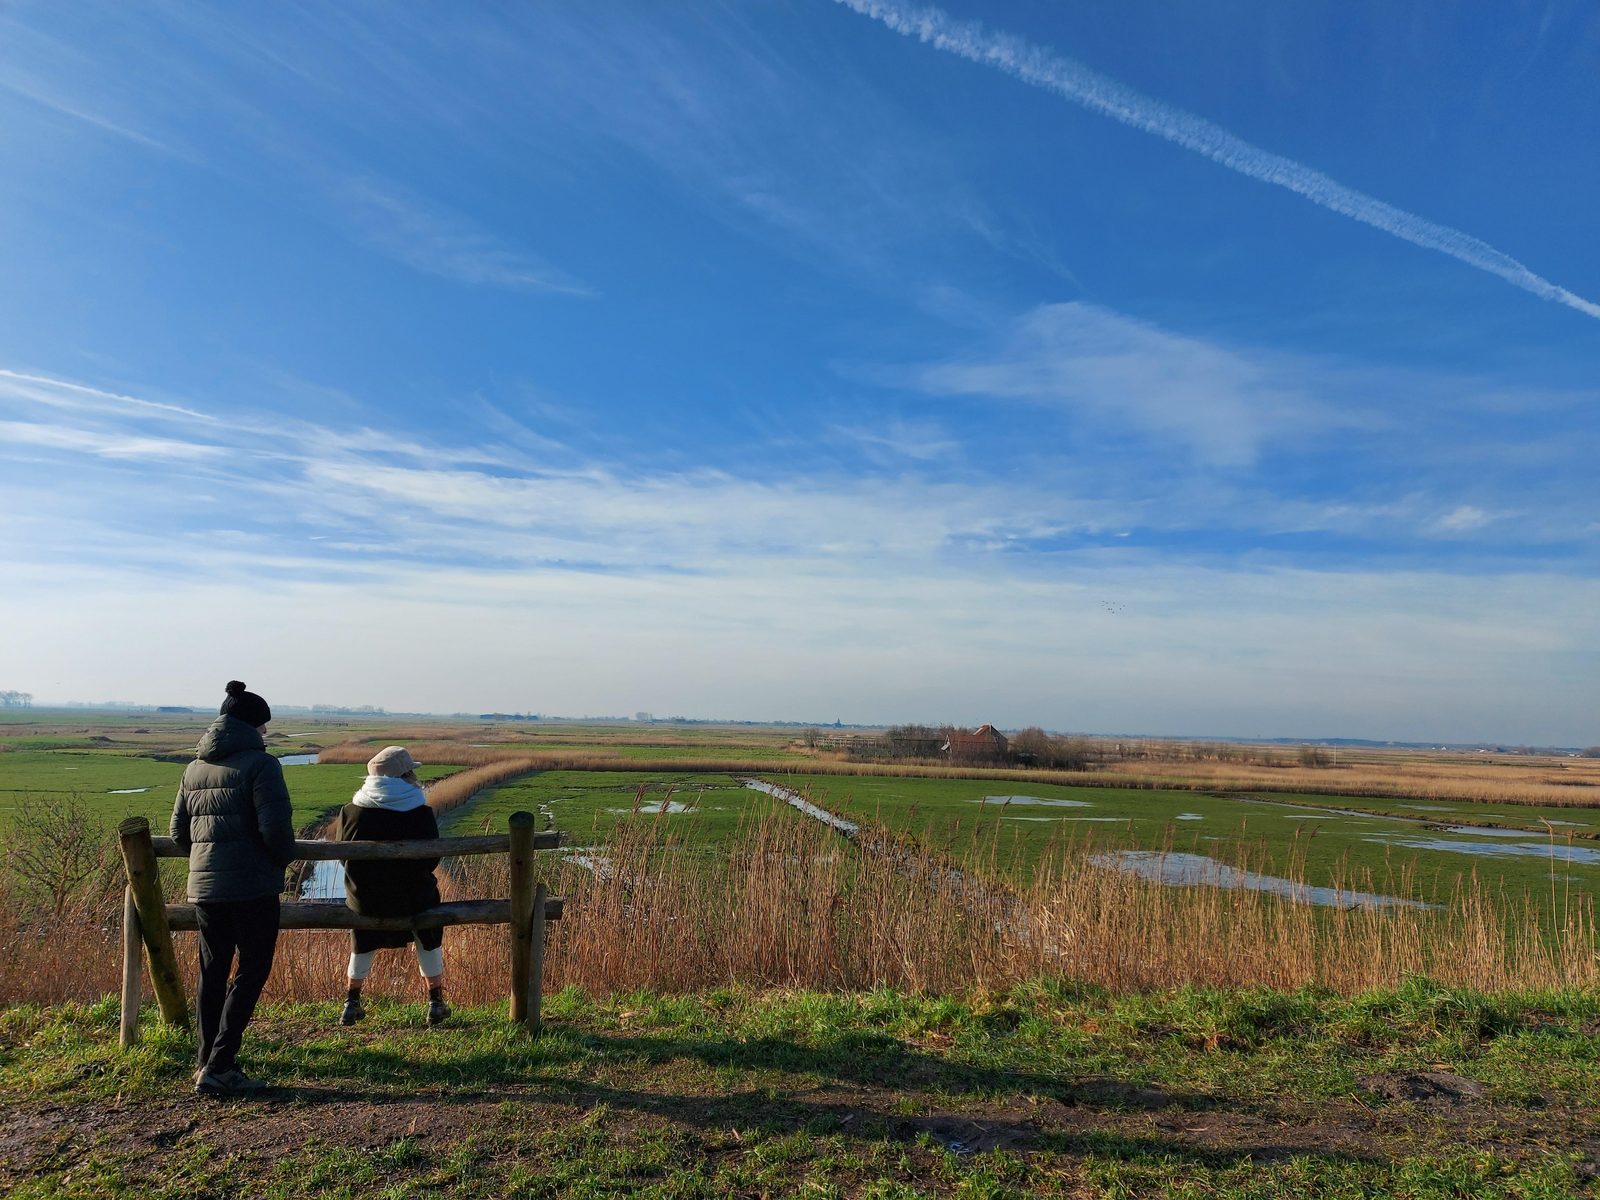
(1130, 378)
(897, 439)
(435, 241)
(644, 574)
(485, 500)
(1043, 68)
(57, 437)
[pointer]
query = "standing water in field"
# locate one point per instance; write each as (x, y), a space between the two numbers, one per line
(795, 799)
(1559, 851)
(1196, 870)
(1041, 800)
(325, 881)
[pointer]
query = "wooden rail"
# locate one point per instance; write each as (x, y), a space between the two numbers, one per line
(332, 914)
(320, 850)
(148, 921)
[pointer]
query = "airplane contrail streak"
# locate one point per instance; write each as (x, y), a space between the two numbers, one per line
(1043, 68)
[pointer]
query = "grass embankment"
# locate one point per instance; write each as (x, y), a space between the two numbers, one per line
(1045, 1089)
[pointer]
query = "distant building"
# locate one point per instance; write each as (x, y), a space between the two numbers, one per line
(643, 718)
(173, 708)
(986, 742)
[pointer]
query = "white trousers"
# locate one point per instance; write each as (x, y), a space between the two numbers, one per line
(429, 962)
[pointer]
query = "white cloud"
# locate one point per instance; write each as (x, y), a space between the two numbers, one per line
(590, 589)
(1464, 519)
(893, 439)
(64, 393)
(1125, 376)
(426, 237)
(57, 437)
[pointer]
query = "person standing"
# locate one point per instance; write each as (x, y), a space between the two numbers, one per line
(390, 806)
(232, 815)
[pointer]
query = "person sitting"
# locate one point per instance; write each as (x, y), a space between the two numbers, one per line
(390, 806)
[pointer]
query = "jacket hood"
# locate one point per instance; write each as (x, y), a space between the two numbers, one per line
(389, 791)
(226, 737)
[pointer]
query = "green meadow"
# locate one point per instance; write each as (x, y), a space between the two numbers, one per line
(698, 809)
(1367, 843)
(111, 785)
(1374, 843)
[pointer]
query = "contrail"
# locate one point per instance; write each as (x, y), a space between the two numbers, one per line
(1045, 69)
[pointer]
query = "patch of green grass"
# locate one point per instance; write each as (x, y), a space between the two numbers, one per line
(114, 784)
(1011, 826)
(700, 810)
(1044, 1090)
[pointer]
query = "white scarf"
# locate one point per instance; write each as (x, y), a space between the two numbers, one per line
(389, 791)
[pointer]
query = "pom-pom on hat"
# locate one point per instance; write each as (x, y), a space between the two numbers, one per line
(392, 760)
(245, 706)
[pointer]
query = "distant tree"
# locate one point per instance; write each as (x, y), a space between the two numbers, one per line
(913, 741)
(1031, 745)
(1315, 756)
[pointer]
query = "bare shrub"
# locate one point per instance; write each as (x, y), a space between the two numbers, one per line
(60, 854)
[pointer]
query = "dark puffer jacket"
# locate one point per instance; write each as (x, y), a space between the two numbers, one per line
(388, 888)
(232, 816)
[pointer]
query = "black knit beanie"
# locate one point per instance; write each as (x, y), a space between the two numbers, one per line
(246, 706)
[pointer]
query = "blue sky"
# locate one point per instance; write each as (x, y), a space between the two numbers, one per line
(1210, 369)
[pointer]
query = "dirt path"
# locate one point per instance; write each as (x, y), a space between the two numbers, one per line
(1394, 1117)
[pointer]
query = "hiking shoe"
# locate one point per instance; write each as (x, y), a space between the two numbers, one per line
(232, 1082)
(438, 1012)
(352, 1013)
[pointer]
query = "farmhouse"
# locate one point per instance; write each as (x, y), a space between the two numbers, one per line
(986, 742)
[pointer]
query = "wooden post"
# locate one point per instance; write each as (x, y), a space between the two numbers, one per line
(144, 882)
(521, 912)
(130, 970)
(536, 961)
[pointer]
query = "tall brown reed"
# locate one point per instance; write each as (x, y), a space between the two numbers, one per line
(1565, 783)
(791, 904)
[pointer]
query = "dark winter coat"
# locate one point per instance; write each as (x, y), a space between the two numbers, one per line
(232, 816)
(388, 887)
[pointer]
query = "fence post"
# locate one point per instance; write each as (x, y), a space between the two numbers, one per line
(522, 914)
(536, 960)
(130, 971)
(144, 883)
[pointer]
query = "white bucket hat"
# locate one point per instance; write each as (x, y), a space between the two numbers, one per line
(392, 760)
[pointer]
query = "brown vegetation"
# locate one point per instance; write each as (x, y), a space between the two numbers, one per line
(1206, 767)
(792, 904)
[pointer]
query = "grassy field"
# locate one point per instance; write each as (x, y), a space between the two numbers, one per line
(112, 784)
(1045, 1089)
(1380, 838)
(959, 817)
(700, 809)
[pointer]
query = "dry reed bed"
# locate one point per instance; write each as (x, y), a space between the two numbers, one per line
(1571, 783)
(793, 905)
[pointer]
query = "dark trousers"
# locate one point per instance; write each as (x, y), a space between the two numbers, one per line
(249, 927)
